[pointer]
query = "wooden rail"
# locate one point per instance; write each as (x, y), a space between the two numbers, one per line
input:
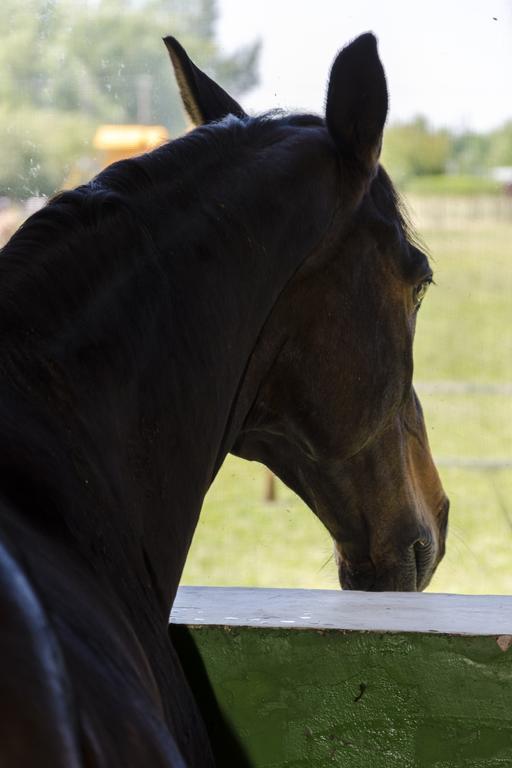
(317, 678)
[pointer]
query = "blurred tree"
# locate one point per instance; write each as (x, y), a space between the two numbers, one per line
(469, 153)
(38, 147)
(500, 146)
(74, 64)
(414, 149)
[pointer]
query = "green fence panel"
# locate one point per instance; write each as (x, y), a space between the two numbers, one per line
(296, 678)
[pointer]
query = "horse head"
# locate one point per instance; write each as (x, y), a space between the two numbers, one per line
(328, 395)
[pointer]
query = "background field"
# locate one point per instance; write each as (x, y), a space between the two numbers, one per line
(463, 370)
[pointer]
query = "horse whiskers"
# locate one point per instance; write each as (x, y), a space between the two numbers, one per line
(455, 533)
(501, 503)
(331, 557)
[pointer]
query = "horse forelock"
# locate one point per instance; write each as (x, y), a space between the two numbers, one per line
(383, 186)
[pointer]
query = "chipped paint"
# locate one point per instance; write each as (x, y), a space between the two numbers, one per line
(504, 642)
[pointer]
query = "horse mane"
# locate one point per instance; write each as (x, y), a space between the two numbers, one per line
(72, 247)
(115, 210)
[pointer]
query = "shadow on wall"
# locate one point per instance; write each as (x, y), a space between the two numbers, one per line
(226, 747)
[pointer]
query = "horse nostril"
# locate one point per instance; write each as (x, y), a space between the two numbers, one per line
(424, 555)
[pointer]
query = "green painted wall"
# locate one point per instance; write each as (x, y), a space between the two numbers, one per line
(308, 699)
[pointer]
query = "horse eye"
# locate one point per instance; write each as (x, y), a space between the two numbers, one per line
(420, 291)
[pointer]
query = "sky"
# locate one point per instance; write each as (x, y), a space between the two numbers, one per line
(450, 60)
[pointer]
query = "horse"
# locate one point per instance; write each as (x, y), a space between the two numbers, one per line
(252, 287)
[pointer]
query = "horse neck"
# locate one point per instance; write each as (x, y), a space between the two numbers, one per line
(223, 290)
(149, 409)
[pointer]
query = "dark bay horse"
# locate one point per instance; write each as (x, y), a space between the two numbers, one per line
(251, 287)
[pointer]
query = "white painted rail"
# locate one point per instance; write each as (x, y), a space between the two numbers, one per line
(477, 615)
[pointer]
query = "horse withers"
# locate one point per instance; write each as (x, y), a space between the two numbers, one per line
(251, 287)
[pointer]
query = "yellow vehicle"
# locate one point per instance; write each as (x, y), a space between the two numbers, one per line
(115, 142)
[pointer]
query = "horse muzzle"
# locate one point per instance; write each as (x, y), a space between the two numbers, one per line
(410, 571)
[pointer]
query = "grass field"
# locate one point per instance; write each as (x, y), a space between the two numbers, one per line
(464, 334)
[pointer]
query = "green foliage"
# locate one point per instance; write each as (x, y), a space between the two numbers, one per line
(68, 66)
(424, 160)
(413, 149)
(451, 184)
(38, 148)
(500, 150)
(469, 153)
(475, 153)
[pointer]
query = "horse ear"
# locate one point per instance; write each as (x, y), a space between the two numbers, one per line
(203, 99)
(357, 104)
